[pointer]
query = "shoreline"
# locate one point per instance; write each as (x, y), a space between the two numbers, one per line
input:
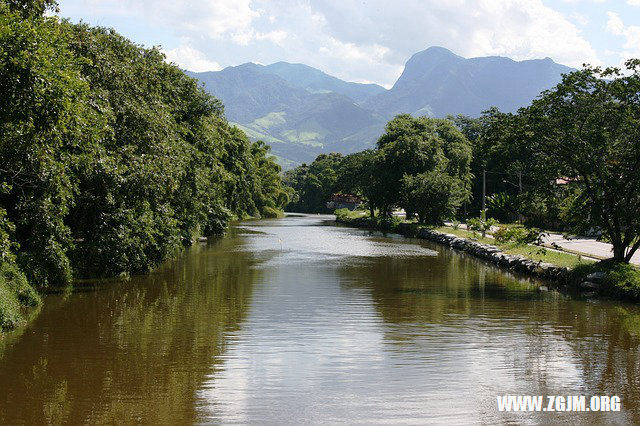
(559, 277)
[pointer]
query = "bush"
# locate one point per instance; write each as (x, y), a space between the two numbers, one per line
(342, 214)
(389, 223)
(9, 309)
(503, 206)
(481, 225)
(624, 281)
(15, 293)
(270, 212)
(517, 234)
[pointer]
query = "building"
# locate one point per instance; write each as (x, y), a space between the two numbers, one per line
(343, 201)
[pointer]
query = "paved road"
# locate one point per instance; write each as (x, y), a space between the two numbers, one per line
(583, 245)
(586, 245)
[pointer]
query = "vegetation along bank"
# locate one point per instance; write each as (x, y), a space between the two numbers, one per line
(569, 163)
(574, 273)
(111, 160)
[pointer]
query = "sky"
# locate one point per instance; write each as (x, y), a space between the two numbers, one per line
(369, 41)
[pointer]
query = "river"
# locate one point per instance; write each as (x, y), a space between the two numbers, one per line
(294, 320)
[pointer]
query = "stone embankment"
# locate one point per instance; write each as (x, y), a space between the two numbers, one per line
(593, 284)
(494, 254)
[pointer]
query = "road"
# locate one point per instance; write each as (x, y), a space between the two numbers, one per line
(581, 245)
(585, 245)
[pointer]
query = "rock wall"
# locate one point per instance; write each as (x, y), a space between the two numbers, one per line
(494, 254)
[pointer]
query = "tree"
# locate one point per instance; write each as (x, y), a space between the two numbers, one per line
(45, 119)
(357, 175)
(411, 146)
(314, 184)
(31, 8)
(587, 130)
(434, 195)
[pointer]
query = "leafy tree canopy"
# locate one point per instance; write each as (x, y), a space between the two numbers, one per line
(587, 130)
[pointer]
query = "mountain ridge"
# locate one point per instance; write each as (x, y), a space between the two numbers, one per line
(302, 111)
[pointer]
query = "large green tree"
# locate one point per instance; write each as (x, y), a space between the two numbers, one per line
(433, 195)
(45, 119)
(587, 130)
(110, 158)
(416, 145)
(314, 183)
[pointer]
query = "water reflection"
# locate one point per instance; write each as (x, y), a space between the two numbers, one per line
(294, 321)
(131, 351)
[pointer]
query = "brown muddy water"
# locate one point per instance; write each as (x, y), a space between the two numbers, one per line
(293, 320)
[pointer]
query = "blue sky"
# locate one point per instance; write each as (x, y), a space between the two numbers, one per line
(369, 41)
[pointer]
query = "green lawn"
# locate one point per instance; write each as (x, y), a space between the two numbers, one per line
(537, 253)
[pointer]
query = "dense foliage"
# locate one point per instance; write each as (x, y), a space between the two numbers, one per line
(420, 164)
(588, 130)
(111, 159)
(570, 162)
(578, 147)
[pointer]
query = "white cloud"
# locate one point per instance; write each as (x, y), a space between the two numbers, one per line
(276, 37)
(631, 34)
(352, 52)
(633, 2)
(369, 42)
(186, 57)
(527, 30)
(580, 18)
(615, 24)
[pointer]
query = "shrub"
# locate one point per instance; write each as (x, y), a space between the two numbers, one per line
(15, 293)
(270, 212)
(342, 214)
(481, 225)
(389, 223)
(517, 234)
(624, 281)
(503, 206)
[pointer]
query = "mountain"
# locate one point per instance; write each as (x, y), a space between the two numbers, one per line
(302, 112)
(317, 81)
(437, 82)
(249, 93)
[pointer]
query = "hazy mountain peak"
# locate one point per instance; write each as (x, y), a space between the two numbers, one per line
(302, 111)
(438, 81)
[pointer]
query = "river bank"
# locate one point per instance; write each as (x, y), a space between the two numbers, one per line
(601, 279)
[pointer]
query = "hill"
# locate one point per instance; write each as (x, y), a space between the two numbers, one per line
(302, 112)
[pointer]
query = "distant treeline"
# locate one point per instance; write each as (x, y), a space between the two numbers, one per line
(420, 164)
(569, 161)
(111, 160)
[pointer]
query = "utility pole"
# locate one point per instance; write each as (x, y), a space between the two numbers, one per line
(520, 216)
(519, 182)
(483, 213)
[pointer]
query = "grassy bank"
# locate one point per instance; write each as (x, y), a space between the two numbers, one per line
(622, 280)
(533, 252)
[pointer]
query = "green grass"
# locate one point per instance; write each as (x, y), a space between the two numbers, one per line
(463, 233)
(537, 253)
(533, 252)
(346, 214)
(270, 120)
(540, 254)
